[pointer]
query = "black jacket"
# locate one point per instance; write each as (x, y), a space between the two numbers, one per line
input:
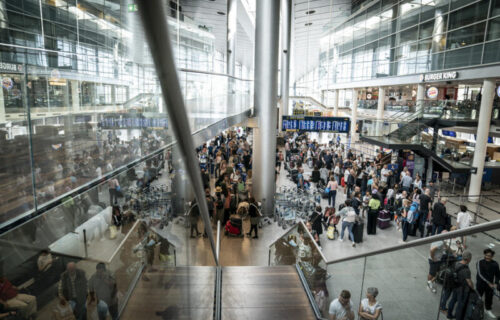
(439, 214)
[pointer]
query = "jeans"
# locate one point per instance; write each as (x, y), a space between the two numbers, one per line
(445, 295)
(451, 304)
(421, 222)
(331, 198)
(437, 228)
(406, 229)
(349, 226)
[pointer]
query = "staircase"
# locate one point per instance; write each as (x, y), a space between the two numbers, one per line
(246, 293)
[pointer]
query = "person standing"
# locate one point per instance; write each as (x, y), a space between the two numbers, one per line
(425, 208)
(487, 279)
(436, 253)
(194, 216)
(370, 308)
(439, 216)
(332, 194)
(348, 219)
(73, 287)
(373, 208)
(104, 285)
(463, 288)
(342, 307)
(254, 218)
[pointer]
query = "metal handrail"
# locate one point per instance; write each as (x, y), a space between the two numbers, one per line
(443, 236)
(213, 73)
(217, 248)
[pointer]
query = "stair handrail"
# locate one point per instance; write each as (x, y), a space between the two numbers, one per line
(483, 227)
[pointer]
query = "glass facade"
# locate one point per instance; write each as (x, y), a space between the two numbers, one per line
(395, 38)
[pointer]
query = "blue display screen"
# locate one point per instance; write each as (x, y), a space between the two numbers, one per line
(449, 133)
(316, 124)
(124, 122)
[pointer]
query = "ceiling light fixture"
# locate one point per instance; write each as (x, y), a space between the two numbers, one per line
(310, 11)
(221, 13)
(308, 24)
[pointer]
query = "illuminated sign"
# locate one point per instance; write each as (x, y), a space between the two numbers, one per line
(498, 91)
(128, 122)
(438, 76)
(316, 124)
(432, 93)
(11, 67)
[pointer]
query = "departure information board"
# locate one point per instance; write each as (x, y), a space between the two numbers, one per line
(133, 122)
(316, 124)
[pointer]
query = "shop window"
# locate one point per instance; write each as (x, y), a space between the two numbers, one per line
(409, 13)
(466, 36)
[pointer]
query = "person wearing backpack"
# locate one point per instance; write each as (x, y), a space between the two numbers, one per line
(463, 286)
(410, 217)
(487, 279)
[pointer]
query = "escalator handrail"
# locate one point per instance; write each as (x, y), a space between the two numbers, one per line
(483, 227)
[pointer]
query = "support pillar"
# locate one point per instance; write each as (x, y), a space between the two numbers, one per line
(483, 129)
(232, 14)
(380, 109)
(336, 103)
(286, 18)
(265, 97)
(420, 99)
(428, 176)
(75, 97)
(2, 106)
(354, 115)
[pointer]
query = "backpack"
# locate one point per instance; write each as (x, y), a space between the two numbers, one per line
(450, 277)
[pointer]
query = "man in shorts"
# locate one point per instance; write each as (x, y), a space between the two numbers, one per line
(438, 250)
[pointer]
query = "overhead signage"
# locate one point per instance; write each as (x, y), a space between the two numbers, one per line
(438, 76)
(432, 93)
(11, 67)
(132, 122)
(316, 124)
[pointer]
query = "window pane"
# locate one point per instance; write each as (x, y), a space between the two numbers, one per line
(409, 12)
(408, 35)
(495, 8)
(493, 29)
(433, 8)
(466, 36)
(492, 52)
(468, 15)
(463, 57)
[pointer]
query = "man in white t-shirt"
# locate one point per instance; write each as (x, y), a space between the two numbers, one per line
(342, 308)
(384, 175)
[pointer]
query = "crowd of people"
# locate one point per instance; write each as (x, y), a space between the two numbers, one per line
(227, 160)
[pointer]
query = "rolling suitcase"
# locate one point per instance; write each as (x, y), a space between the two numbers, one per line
(357, 230)
(384, 219)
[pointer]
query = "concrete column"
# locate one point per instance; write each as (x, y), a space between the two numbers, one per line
(381, 103)
(420, 98)
(354, 114)
(2, 106)
(380, 109)
(483, 129)
(232, 15)
(429, 170)
(286, 29)
(66, 96)
(75, 97)
(265, 97)
(336, 103)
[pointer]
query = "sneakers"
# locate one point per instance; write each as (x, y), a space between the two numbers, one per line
(490, 314)
(431, 286)
(341, 240)
(354, 244)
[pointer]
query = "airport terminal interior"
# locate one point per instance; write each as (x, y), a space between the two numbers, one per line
(249, 159)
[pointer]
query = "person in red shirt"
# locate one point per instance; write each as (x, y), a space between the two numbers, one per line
(10, 298)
